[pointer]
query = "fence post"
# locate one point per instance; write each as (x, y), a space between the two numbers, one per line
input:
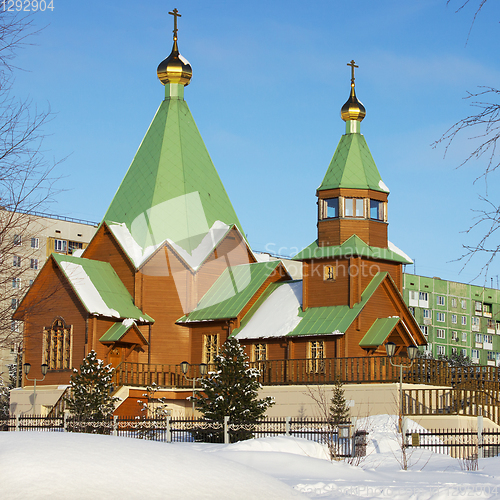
(480, 424)
(226, 430)
(65, 422)
(18, 423)
(287, 426)
(169, 430)
(115, 425)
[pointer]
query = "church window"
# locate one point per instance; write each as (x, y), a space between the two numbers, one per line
(353, 207)
(57, 346)
(376, 210)
(259, 352)
(317, 355)
(210, 348)
(329, 273)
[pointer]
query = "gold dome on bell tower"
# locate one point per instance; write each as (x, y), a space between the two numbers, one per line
(353, 109)
(175, 68)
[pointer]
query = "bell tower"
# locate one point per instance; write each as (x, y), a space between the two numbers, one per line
(352, 199)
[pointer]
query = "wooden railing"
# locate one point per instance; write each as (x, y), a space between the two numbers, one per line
(325, 371)
(453, 401)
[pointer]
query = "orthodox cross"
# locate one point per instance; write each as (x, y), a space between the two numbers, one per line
(352, 65)
(176, 14)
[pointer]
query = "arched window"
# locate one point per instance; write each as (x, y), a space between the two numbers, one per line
(57, 345)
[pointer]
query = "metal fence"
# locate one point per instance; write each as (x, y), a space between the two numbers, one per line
(181, 430)
(461, 444)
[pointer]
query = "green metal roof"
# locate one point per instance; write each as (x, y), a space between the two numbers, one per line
(334, 319)
(379, 331)
(171, 189)
(117, 331)
(351, 247)
(231, 292)
(352, 166)
(99, 288)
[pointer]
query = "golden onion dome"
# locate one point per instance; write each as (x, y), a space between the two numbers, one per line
(175, 68)
(353, 109)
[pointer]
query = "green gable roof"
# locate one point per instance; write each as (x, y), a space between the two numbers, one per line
(352, 166)
(354, 246)
(118, 330)
(231, 292)
(334, 319)
(99, 288)
(378, 332)
(171, 189)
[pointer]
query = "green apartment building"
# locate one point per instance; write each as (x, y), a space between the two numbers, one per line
(455, 317)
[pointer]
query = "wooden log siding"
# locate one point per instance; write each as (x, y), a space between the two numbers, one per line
(354, 370)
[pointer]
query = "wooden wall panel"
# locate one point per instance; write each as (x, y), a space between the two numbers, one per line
(323, 293)
(49, 298)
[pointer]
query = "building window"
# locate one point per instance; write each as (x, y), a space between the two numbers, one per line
(427, 313)
(441, 301)
(14, 303)
(16, 282)
(487, 310)
(57, 346)
(376, 210)
(454, 350)
(441, 317)
(453, 302)
(412, 310)
(60, 246)
(425, 329)
(464, 336)
(31, 282)
(454, 336)
(210, 348)
(74, 245)
(475, 354)
(17, 240)
(353, 207)
(475, 324)
(259, 352)
(316, 355)
(423, 299)
(34, 264)
(454, 318)
(440, 334)
(492, 356)
(332, 208)
(440, 350)
(479, 338)
(329, 273)
(488, 339)
(463, 303)
(413, 298)
(35, 243)
(14, 326)
(464, 320)
(478, 307)
(463, 352)
(17, 261)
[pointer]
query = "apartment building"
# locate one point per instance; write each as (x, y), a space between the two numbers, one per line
(27, 241)
(455, 317)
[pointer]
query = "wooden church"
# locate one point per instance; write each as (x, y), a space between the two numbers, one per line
(169, 274)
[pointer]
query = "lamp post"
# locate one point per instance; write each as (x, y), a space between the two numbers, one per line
(412, 350)
(27, 368)
(203, 371)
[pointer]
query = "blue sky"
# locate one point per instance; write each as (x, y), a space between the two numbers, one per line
(269, 79)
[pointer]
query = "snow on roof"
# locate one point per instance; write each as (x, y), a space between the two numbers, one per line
(382, 185)
(138, 255)
(208, 243)
(86, 290)
(277, 316)
(128, 322)
(397, 250)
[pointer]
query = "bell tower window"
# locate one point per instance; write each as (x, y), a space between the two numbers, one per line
(376, 210)
(353, 207)
(332, 208)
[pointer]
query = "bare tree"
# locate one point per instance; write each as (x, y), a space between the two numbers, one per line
(26, 183)
(483, 128)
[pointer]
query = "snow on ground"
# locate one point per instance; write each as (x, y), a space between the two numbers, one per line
(75, 466)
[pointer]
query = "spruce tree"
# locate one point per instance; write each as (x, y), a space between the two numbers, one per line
(90, 390)
(339, 411)
(232, 390)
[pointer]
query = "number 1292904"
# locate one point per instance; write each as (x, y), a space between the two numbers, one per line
(26, 5)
